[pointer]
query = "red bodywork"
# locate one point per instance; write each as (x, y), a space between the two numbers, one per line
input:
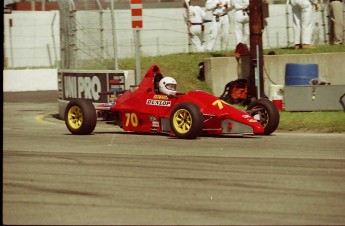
(146, 110)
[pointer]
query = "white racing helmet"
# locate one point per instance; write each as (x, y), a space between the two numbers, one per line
(167, 85)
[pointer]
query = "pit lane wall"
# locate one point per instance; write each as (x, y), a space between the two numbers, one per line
(331, 69)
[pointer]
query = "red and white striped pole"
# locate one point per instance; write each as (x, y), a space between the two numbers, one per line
(137, 13)
(137, 25)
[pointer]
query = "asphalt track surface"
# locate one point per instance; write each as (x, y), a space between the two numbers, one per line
(51, 177)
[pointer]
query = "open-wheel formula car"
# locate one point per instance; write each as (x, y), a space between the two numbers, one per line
(143, 109)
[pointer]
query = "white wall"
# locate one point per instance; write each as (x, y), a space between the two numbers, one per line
(30, 80)
(41, 80)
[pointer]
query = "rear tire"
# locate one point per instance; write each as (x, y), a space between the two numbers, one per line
(266, 113)
(186, 121)
(80, 117)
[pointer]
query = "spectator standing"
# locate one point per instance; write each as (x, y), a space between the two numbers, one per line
(337, 21)
(194, 17)
(302, 12)
(241, 20)
(220, 22)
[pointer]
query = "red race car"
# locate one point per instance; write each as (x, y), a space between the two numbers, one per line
(154, 107)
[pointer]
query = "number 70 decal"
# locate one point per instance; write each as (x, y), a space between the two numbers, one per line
(219, 103)
(131, 118)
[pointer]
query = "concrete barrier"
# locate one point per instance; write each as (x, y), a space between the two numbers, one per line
(39, 80)
(221, 70)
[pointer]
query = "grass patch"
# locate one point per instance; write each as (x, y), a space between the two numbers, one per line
(182, 67)
(317, 49)
(329, 122)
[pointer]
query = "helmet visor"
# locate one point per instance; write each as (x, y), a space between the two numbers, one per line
(171, 86)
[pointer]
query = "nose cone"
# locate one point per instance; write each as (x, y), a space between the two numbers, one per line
(258, 128)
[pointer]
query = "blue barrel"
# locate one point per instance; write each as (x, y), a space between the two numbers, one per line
(300, 74)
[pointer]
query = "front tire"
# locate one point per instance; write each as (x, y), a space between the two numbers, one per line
(266, 113)
(80, 117)
(186, 121)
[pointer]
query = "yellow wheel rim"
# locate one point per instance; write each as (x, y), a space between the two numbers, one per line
(75, 117)
(182, 121)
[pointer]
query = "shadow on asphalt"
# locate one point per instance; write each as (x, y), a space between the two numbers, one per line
(50, 96)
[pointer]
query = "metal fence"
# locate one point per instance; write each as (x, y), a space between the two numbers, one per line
(97, 32)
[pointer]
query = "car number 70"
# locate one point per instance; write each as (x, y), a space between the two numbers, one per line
(131, 118)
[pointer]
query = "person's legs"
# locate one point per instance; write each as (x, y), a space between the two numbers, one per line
(238, 32)
(246, 30)
(307, 25)
(213, 34)
(296, 12)
(241, 26)
(196, 33)
(224, 36)
(337, 21)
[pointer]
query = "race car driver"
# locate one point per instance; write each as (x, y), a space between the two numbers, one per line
(167, 85)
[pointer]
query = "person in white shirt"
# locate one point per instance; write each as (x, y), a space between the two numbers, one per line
(220, 22)
(302, 12)
(194, 17)
(241, 20)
